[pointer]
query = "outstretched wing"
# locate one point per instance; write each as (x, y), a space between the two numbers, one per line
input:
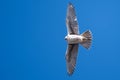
(71, 56)
(71, 20)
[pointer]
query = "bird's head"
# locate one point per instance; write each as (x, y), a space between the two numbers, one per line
(65, 37)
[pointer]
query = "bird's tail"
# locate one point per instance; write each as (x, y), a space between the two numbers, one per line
(87, 39)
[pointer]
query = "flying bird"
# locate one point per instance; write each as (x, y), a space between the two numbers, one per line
(73, 39)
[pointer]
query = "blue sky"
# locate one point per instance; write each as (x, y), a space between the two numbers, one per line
(32, 45)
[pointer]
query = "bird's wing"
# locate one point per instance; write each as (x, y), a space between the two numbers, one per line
(71, 56)
(71, 20)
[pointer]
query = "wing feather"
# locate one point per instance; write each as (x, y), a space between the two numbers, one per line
(71, 56)
(71, 20)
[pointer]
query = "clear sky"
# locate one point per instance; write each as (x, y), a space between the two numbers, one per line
(32, 45)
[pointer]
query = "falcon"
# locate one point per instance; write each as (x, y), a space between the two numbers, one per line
(73, 39)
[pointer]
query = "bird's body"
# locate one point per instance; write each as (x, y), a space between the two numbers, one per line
(74, 39)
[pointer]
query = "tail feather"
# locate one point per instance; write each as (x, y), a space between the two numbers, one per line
(87, 39)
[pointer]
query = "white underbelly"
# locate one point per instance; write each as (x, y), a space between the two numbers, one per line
(74, 39)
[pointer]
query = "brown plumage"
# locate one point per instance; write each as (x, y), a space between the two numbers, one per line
(74, 39)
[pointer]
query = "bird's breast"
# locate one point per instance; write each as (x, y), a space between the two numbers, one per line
(74, 39)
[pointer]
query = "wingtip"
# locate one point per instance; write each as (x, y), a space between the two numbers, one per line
(70, 4)
(70, 73)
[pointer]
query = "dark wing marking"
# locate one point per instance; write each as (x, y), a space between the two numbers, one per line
(71, 56)
(71, 20)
